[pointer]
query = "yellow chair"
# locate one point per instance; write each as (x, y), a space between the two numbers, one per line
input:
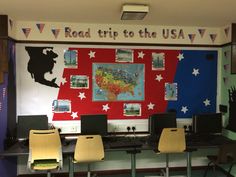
(172, 140)
(225, 157)
(45, 151)
(89, 148)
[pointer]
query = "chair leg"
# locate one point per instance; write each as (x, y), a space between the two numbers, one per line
(208, 167)
(89, 173)
(214, 170)
(167, 165)
(230, 168)
(48, 174)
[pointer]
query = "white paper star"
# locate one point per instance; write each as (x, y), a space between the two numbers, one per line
(195, 72)
(159, 77)
(105, 107)
(141, 54)
(81, 95)
(63, 80)
(74, 115)
(180, 56)
(91, 54)
(184, 109)
(207, 102)
(150, 106)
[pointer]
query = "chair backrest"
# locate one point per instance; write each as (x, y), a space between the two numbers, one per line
(227, 153)
(89, 148)
(172, 140)
(45, 145)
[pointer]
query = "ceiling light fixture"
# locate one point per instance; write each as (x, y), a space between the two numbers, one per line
(134, 11)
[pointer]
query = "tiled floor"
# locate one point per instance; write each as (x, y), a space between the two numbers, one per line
(195, 173)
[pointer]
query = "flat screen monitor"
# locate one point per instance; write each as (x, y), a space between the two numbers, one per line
(207, 123)
(161, 120)
(26, 123)
(95, 124)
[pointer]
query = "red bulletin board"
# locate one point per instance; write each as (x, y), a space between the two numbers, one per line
(81, 98)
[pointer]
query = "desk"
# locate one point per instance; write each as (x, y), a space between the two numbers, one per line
(68, 150)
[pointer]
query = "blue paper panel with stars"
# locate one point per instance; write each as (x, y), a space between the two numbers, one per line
(196, 78)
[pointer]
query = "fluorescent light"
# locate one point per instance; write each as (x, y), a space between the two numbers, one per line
(134, 12)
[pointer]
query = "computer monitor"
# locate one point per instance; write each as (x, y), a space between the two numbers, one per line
(26, 123)
(207, 123)
(161, 120)
(95, 124)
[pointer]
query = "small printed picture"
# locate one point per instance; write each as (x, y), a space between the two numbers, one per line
(124, 55)
(79, 81)
(132, 109)
(171, 91)
(61, 106)
(70, 59)
(158, 61)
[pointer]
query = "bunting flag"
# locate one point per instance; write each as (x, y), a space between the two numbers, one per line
(213, 37)
(225, 79)
(4, 92)
(226, 54)
(55, 32)
(40, 27)
(11, 23)
(227, 31)
(201, 32)
(226, 67)
(191, 37)
(26, 31)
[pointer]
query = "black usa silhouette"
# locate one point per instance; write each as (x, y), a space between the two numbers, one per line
(41, 61)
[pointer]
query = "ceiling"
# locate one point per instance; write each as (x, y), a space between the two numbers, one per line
(206, 13)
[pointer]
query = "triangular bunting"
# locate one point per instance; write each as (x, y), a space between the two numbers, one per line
(225, 79)
(227, 31)
(40, 27)
(191, 37)
(213, 37)
(226, 67)
(201, 32)
(11, 23)
(26, 31)
(225, 53)
(4, 93)
(55, 32)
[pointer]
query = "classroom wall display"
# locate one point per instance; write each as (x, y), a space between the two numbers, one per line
(123, 82)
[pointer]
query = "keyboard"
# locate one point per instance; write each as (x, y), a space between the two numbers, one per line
(206, 139)
(125, 144)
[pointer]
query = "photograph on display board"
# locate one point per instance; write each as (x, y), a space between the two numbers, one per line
(158, 61)
(171, 91)
(132, 109)
(70, 59)
(124, 55)
(61, 106)
(79, 81)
